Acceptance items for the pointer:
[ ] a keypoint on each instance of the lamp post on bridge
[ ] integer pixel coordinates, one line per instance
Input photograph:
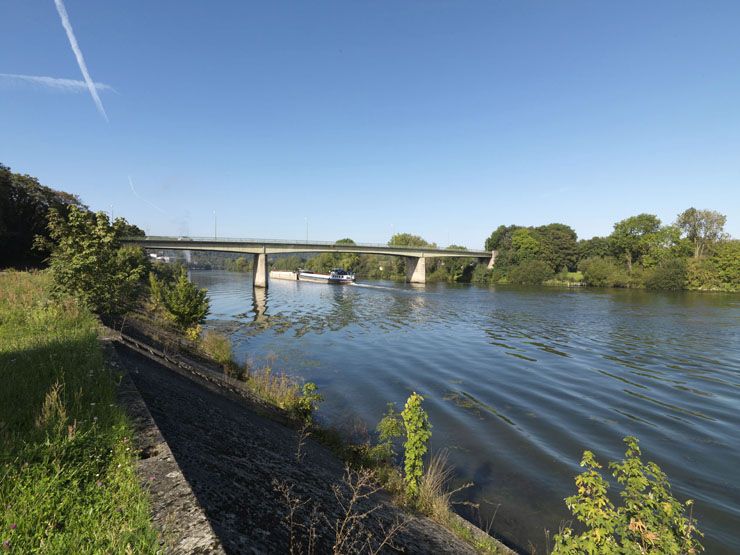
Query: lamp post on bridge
(215, 226)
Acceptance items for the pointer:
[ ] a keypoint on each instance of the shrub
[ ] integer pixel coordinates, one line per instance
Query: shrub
(418, 431)
(155, 291)
(726, 259)
(481, 275)
(650, 520)
(530, 272)
(88, 262)
(193, 332)
(603, 272)
(308, 402)
(701, 274)
(669, 275)
(187, 303)
(389, 429)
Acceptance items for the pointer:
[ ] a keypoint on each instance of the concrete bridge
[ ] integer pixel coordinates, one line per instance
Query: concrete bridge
(260, 248)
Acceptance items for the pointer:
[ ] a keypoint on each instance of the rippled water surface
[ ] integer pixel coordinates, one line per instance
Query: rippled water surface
(518, 382)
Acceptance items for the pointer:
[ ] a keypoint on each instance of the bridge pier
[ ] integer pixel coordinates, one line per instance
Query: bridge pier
(416, 269)
(259, 270)
(493, 260)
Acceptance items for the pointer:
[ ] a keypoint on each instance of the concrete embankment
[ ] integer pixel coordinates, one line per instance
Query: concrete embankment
(235, 459)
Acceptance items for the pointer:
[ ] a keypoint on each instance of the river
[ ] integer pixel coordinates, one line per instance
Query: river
(518, 382)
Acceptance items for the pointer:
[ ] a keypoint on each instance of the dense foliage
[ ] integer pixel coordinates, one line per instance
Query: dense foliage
(650, 519)
(88, 261)
(693, 253)
(186, 303)
(24, 210)
(25, 206)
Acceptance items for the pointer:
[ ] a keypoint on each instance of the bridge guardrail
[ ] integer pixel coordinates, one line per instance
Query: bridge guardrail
(161, 238)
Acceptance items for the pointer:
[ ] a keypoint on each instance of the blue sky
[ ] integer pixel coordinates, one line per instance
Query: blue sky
(441, 118)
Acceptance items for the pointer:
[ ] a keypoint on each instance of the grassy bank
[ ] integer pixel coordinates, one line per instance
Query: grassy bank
(67, 482)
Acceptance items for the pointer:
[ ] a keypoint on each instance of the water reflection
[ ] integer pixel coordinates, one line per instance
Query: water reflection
(519, 381)
(259, 306)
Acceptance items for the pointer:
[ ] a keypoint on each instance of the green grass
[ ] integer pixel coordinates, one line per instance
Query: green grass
(67, 481)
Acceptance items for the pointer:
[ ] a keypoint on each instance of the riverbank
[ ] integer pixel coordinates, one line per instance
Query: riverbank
(68, 466)
(285, 454)
(261, 483)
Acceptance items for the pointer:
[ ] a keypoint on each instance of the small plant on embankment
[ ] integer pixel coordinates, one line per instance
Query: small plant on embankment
(650, 520)
(418, 431)
(67, 481)
(389, 429)
(308, 402)
(186, 303)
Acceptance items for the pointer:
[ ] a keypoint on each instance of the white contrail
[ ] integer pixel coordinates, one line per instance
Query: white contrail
(137, 195)
(78, 54)
(64, 85)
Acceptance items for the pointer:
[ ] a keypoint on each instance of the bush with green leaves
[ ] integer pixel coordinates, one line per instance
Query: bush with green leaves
(389, 429)
(418, 431)
(650, 519)
(308, 402)
(186, 303)
(88, 261)
(668, 275)
(601, 271)
(530, 272)
(156, 295)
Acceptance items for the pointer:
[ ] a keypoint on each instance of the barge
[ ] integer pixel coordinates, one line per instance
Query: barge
(337, 276)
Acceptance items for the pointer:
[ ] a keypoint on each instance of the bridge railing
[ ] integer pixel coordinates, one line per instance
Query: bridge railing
(278, 242)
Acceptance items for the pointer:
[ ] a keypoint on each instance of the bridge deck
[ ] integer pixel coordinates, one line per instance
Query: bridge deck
(277, 246)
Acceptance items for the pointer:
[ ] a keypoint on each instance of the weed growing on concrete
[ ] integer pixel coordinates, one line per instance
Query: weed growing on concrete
(352, 530)
(418, 431)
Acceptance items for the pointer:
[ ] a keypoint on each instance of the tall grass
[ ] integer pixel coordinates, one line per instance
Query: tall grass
(276, 388)
(67, 481)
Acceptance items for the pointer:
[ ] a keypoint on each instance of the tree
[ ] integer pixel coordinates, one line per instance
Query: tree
(703, 228)
(24, 213)
(459, 269)
(558, 244)
(347, 260)
(409, 240)
(600, 271)
(596, 246)
(501, 237)
(406, 240)
(726, 260)
(88, 261)
(631, 236)
(187, 303)
(525, 244)
(326, 261)
(669, 275)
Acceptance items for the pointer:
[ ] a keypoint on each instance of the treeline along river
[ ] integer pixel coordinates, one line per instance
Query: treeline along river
(518, 382)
